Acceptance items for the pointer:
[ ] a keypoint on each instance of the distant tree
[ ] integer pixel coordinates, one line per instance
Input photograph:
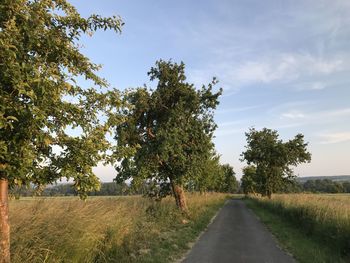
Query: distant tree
(40, 61)
(111, 189)
(249, 180)
(291, 186)
(228, 183)
(210, 175)
(272, 158)
(171, 126)
(309, 186)
(346, 187)
(325, 186)
(205, 174)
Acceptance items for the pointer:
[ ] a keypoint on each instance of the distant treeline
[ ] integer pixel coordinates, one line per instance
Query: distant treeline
(334, 178)
(231, 185)
(325, 186)
(112, 188)
(317, 186)
(106, 189)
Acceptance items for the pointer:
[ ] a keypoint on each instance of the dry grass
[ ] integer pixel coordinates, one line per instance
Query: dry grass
(325, 217)
(105, 229)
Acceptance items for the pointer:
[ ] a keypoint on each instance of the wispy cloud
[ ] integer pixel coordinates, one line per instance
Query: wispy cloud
(336, 137)
(237, 109)
(316, 116)
(313, 85)
(274, 68)
(293, 115)
(285, 67)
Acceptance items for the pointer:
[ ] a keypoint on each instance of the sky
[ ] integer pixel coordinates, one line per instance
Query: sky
(283, 65)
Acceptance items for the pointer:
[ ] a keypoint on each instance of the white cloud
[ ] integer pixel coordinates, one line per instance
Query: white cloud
(335, 137)
(311, 86)
(285, 68)
(336, 113)
(275, 68)
(316, 116)
(293, 115)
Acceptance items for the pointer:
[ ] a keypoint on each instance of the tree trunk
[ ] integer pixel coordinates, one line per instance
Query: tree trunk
(179, 195)
(269, 193)
(181, 198)
(4, 223)
(174, 193)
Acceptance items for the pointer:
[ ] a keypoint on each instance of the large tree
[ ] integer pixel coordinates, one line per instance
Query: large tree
(273, 158)
(40, 61)
(171, 126)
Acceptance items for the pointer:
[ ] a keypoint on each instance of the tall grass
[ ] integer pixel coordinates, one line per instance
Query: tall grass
(325, 217)
(114, 229)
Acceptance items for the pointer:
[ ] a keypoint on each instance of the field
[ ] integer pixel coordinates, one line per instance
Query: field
(106, 229)
(324, 219)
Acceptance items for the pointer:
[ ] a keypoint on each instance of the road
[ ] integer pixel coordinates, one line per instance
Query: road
(236, 235)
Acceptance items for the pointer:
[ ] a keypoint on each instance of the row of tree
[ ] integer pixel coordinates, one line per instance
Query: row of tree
(220, 178)
(161, 135)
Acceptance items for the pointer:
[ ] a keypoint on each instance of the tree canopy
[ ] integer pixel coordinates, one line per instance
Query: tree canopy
(171, 127)
(40, 61)
(228, 182)
(273, 158)
(40, 100)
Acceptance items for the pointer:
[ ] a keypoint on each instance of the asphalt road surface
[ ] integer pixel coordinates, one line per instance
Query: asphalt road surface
(236, 235)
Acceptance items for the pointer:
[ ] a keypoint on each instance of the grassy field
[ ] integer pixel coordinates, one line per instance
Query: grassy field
(109, 229)
(315, 228)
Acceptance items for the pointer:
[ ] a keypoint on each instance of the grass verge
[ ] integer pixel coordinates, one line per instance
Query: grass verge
(107, 229)
(295, 235)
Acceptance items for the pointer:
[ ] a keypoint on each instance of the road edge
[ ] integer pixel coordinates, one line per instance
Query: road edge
(191, 244)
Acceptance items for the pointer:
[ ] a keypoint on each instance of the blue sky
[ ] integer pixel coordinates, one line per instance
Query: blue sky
(283, 65)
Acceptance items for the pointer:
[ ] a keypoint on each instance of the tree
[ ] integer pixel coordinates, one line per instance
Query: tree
(40, 60)
(171, 126)
(273, 158)
(205, 174)
(346, 187)
(248, 181)
(210, 175)
(227, 183)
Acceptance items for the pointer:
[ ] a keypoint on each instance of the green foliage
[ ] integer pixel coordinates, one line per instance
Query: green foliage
(273, 158)
(229, 183)
(248, 181)
(171, 127)
(40, 61)
(205, 174)
(326, 186)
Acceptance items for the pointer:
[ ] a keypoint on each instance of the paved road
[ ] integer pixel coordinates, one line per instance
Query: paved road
(236, 235)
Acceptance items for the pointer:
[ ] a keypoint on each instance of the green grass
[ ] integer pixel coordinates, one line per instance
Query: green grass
(299, 223)
(106, 229)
